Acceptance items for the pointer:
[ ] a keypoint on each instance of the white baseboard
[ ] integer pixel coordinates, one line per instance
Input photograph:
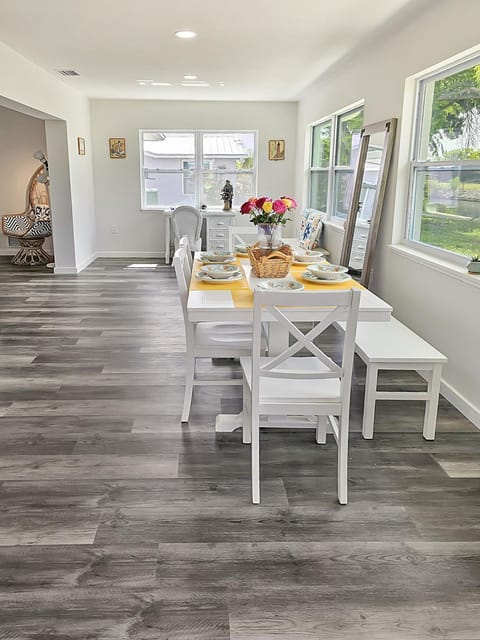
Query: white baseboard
(73, 271)
(130, 254)
(470, 411)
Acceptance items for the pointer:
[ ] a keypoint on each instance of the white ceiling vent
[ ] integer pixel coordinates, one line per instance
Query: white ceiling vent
(67, 72)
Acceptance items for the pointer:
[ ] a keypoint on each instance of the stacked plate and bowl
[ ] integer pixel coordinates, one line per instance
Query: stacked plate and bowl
(326, 273)
(217, 268)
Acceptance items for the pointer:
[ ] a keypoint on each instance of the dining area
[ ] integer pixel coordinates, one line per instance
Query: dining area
(291, 327)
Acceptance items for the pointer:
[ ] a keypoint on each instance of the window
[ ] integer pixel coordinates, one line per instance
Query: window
(444, 195)
(190, 167)
(334, 148)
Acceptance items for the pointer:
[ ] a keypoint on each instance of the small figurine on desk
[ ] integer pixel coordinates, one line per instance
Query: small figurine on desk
(227, 195)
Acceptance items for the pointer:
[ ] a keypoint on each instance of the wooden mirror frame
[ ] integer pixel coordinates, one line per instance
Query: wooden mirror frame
(389, 128)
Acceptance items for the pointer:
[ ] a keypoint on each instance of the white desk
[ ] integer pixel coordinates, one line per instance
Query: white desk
(218, 306)
(218, 223)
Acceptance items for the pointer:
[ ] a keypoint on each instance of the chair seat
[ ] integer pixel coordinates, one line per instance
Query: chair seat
(228, 335)
(292, 390)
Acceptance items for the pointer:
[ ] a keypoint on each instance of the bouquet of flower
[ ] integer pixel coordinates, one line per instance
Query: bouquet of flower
(267, 211)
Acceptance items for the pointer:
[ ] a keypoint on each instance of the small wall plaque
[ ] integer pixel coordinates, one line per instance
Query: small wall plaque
(117, 148)
(81, 146)
(276, 149)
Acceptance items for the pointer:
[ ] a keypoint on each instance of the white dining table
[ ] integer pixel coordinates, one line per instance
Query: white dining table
(214, 305)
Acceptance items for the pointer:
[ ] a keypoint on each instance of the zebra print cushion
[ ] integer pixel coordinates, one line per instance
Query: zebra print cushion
(42, 212)
(40, 229)
(15, 225)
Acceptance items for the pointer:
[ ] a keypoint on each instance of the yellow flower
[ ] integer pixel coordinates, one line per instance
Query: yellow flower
(267, 206)
(287, 202)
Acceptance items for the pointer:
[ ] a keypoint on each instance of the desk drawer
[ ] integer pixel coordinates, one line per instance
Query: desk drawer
(217, 245)
(218, 234)
(219, 222)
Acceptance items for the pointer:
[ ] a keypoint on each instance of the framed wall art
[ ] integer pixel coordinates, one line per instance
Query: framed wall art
(81, 146)
(276, 149)
(117, 148)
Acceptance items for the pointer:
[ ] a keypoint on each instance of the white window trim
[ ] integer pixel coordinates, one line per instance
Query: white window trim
(198, 133)
(332, 168)
(433, 257)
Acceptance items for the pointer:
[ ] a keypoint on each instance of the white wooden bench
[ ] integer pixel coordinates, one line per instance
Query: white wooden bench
(391, 345)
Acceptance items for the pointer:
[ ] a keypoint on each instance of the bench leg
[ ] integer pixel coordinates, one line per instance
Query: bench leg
(369, 402)
(321, 430)
(431, 407)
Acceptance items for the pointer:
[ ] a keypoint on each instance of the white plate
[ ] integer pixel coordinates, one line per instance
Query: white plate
(307, 256)
(280, 285)
(305, 263)
(203, 277)
(217, 258)
(309, 277)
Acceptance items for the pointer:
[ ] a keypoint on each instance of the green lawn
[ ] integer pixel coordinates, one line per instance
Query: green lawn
(454, 235)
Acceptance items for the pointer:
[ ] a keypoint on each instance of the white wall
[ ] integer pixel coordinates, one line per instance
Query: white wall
(20, 137)
(27, 88)
(117, 182)
(439, 307)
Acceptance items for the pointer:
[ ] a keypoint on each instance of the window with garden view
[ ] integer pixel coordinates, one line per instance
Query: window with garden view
(334, 149)
(190, 167)
(444, 210)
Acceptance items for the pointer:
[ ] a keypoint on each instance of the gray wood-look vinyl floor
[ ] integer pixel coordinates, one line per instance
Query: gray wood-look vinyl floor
(119, 523)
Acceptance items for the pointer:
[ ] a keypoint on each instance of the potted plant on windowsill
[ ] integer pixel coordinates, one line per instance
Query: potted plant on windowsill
(474, 265)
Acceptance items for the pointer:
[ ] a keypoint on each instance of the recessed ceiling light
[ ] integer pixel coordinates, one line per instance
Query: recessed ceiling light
(185, 34)
(195, 84)
(190, 77)
(161, 84)
(221, 84)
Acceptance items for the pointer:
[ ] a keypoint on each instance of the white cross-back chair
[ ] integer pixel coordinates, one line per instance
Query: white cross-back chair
(290, 384)
(207, 339)
(187, 221)
(188, 263)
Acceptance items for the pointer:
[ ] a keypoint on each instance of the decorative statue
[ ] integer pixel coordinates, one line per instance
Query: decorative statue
(227, 195)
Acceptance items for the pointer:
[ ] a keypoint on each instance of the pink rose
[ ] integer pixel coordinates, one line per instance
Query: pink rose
(279, 207)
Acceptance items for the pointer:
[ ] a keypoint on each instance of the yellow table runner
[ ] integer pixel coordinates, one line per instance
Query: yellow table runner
(242, 295)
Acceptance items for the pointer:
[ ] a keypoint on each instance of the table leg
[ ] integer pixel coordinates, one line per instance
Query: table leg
(167, 239)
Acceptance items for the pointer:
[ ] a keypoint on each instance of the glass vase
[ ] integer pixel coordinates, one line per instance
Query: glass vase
(269, 236)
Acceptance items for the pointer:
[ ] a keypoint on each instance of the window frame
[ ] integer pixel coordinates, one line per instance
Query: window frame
(443, 70)
(199, 169)
(333, 169)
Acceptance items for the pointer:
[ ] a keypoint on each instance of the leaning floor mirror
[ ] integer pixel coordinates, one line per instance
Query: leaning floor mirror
(362, 224)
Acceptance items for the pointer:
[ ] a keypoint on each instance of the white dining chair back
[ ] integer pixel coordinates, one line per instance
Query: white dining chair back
(302, 380)
(207, 339)
(187, 221)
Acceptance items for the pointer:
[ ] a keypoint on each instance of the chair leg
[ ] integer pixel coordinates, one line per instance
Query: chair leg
(431, 408)
(189, 377)
(342, 464)
(247, 415)
(369, 402)
(255, 457)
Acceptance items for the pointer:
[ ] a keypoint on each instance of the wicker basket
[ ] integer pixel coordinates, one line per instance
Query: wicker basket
(274, 264)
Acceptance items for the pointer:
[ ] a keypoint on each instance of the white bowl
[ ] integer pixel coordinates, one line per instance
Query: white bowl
(309, 256)
(327, 271)
(220, 271)
(217, 256)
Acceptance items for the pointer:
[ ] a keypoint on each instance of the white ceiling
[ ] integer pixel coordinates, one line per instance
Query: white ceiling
(260, 49)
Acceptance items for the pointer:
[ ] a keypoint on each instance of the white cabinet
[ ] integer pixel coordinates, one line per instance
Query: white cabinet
(217, 230)
(359, 245)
